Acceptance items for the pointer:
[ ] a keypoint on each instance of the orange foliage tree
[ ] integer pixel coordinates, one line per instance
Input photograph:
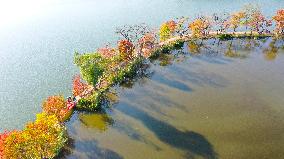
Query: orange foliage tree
(40, 139)
(200, 27)
(3, 137)
(279, 19)
(126, 49)
(54, 105)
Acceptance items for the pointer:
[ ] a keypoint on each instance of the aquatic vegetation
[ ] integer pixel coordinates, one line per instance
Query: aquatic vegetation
(40, 139)
(279, 19)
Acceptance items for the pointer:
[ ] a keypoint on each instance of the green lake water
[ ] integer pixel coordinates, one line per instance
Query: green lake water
(200, 105)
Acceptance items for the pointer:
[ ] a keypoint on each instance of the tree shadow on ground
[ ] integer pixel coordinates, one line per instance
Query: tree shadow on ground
(193, 143)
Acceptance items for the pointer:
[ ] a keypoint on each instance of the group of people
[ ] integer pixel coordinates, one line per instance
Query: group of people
(71, 103)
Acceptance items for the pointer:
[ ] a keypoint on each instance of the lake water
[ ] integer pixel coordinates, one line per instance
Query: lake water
(204, 106)
(197, 104)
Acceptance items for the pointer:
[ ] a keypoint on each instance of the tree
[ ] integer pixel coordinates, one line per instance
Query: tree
(235, 20)
(220, 20)
(55, 105)
(200, 27)
(126, 49)
(78, 86)
(107, 52)
(279, 19)
(165, 32)
(133, 33)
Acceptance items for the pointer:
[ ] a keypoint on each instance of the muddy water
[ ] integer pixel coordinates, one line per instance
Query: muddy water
(208, 101)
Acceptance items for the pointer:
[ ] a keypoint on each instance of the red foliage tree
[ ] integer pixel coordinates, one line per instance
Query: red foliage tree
(3, 136)
(107, 52)
(78, 86)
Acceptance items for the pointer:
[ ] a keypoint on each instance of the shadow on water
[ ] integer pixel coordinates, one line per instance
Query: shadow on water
(135, 135)
(191, 142)
(88, 149)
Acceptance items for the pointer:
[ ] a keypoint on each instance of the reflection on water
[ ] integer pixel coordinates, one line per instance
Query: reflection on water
(198, 105)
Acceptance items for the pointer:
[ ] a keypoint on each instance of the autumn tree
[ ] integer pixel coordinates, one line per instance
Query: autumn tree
(279, 19)
(200, 27)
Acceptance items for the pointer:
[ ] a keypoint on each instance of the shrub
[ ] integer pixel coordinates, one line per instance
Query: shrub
(55, 105)
(225, 36)
(126, 49)
(41, 139)
(279, 19)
